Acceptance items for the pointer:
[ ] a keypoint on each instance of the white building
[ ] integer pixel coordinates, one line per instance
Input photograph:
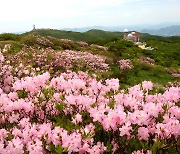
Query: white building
(131, 36)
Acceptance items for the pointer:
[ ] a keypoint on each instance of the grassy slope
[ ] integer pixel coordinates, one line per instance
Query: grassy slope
(166, 54)
(142, 71)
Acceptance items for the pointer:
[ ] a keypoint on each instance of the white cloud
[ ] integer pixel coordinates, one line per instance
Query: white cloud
(34, 9)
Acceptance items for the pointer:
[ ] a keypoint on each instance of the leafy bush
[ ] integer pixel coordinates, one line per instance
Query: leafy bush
(29, 40)
(9, 37)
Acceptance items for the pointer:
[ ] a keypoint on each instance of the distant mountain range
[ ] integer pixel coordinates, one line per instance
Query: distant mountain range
(160, 30)
(167, 31)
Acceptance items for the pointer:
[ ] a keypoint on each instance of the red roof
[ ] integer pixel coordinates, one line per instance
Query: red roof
(136, 35)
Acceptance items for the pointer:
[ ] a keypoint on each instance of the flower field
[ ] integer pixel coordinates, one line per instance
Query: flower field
(46, 107)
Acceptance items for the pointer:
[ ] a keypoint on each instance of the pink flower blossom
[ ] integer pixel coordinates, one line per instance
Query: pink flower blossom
(143, 133)
(77, 119)
(147, 85)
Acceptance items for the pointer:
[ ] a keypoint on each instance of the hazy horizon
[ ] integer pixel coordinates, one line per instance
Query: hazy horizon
(20, 15)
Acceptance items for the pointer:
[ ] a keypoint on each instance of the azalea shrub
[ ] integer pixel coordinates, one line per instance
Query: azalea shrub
(73, 112)
(125, 64)
(55, 62)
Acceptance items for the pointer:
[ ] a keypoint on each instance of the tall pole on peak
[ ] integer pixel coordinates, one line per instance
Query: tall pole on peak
(34, 28)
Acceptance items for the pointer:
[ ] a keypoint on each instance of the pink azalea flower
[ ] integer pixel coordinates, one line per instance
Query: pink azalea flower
(143, 133)
(147, 85)
(125, 130)
(77, 119)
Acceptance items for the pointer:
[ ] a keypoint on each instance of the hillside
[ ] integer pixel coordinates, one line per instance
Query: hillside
(95, 35)
(163, 61)
(77, 36)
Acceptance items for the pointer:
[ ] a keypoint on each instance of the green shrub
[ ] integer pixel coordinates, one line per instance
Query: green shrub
(29, 40)
(9, 37)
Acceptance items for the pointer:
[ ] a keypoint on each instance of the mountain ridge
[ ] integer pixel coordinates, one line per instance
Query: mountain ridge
(173, 30)
(94, 35)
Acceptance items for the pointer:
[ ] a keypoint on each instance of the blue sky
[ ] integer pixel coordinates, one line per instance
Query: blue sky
(21, 15)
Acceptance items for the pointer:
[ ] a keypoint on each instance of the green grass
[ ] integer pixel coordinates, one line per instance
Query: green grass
(167, 53)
